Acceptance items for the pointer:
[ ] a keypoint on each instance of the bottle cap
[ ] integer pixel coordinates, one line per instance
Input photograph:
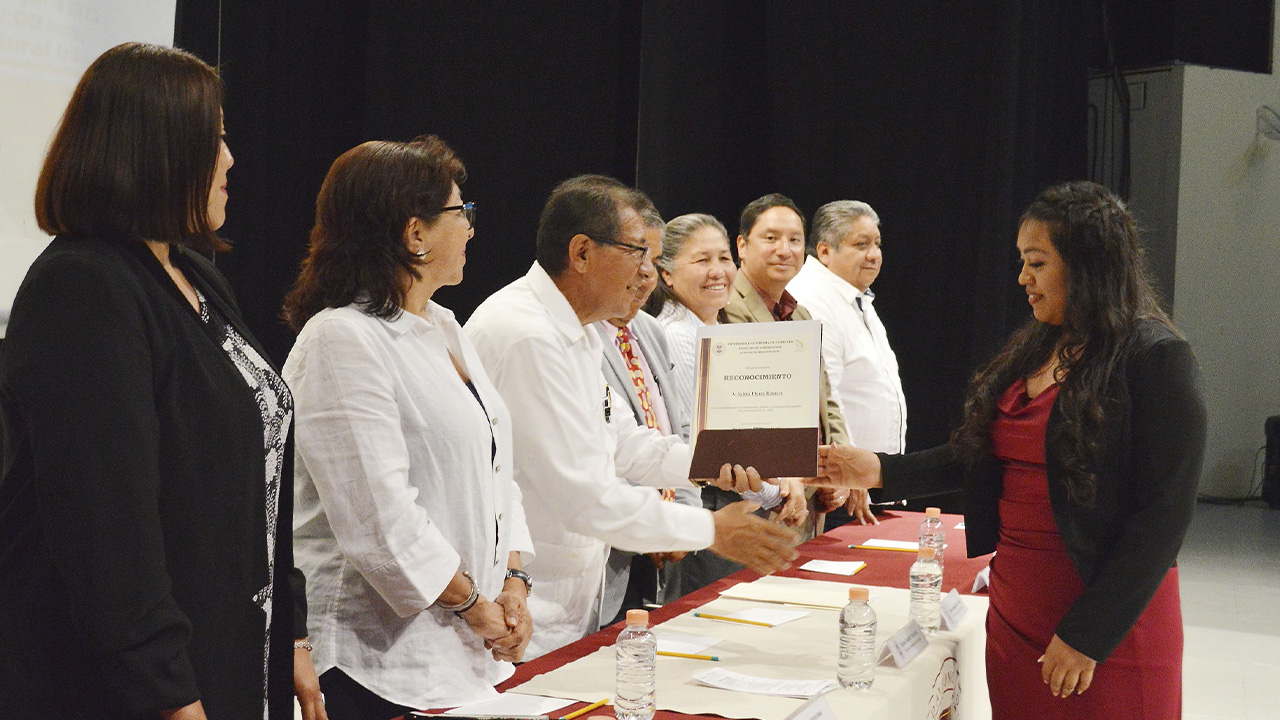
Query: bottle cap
(859, 593)
(926, 553)
(637, 617)
(932, 512)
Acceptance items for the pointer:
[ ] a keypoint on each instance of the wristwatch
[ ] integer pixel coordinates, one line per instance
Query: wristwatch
(523, 576)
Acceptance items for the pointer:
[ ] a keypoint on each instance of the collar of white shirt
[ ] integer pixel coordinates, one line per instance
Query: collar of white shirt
(822, 275)
(559, 310)
(436, 317)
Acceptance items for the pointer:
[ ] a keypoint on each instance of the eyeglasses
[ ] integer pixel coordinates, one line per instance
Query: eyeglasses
(468, 211)
(639, 252)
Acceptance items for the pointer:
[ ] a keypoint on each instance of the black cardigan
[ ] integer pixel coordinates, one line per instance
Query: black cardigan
(1124, 544)
(132, 520)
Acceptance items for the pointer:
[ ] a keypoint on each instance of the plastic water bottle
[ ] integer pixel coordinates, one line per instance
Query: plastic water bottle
(857, 665)
(926, 591)
(636, 655)
(931, 533)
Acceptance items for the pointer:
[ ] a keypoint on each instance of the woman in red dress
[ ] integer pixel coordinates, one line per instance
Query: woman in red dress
(1079, 455)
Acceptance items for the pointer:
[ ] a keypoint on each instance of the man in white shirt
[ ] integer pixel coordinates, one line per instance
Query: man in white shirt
(572, 448)
(844, 258)
(638, 369)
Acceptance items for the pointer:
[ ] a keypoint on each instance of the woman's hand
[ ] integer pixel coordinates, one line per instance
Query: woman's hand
(830, 498)
(519, 623)
(859, 507)
(795, 507)
(845, 466)
(306, 686)
(1066, 670)
(487, 619)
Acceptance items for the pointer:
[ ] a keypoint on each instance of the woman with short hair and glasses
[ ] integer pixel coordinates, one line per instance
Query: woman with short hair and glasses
(408, 522)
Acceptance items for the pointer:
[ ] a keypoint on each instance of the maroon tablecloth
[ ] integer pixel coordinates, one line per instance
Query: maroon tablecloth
(886, 568)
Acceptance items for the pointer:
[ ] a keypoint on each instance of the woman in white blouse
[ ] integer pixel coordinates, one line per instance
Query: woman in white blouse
(695, 273)
(407, 522)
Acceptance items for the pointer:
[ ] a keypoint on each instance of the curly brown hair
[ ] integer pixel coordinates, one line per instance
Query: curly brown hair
(1108, 295)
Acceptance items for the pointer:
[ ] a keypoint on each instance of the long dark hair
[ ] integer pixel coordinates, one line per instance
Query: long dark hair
(134, 156)
(1108, 294)
(357, 251)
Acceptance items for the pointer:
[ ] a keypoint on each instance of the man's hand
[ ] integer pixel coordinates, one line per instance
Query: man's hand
(744, 538)
(845, 466)
(859, 507)
(1066, 670)
(306, 686)
(738, 479)
(519, 624)
(795, 507)
(659, 559)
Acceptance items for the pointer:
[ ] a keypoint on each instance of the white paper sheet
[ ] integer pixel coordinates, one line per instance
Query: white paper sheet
(737, 682)
(792, 591)
(834, 567)
(890, 544)
(508, 704)
(772, 616)
(682, 643)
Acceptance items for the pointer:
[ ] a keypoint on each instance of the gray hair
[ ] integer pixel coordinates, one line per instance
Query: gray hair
(674, 237)
(678, 232)
(653, 219)
(831, 223)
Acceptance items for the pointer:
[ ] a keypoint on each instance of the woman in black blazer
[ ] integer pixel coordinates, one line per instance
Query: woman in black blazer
(145, 504)
(1080, 454)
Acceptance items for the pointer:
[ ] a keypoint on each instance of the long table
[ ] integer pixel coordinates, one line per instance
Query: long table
(885, 568)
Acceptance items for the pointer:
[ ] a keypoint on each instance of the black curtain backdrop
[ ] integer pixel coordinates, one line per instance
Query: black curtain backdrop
(946, 115)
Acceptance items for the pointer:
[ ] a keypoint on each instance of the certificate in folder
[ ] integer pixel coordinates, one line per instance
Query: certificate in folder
(756, 398)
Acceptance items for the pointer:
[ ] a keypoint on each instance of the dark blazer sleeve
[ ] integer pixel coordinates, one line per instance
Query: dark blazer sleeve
(1167, 440)
(82, 371)
(920, 474)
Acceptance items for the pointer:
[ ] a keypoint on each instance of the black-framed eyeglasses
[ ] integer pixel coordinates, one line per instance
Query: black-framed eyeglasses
(640, 252)
(468, 211)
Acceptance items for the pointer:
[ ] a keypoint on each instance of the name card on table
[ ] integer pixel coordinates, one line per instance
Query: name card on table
(816, 709)
(953, 610)
(904, 646)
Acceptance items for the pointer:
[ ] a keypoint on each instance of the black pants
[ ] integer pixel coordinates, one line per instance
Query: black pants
(346, 699)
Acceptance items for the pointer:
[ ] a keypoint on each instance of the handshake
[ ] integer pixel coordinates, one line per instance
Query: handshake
(764, 546)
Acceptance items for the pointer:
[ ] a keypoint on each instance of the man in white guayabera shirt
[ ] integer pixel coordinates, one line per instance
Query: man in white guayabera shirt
(572, 446)
(844, 258)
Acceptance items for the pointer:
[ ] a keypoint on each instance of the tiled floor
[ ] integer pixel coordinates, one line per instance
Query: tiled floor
(1230, 581)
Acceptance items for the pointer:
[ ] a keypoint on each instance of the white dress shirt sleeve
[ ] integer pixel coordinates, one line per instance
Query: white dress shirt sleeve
(564, 462)
(350, 435)
(646, 457)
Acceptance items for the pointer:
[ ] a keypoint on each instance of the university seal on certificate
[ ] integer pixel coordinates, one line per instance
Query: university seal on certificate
(756, 398)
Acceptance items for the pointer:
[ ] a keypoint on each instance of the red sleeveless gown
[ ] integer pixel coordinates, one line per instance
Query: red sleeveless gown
(1034, 583)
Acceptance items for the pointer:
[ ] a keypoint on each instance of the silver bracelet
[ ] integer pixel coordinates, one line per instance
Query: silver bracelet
(303, 645)
(465, 605)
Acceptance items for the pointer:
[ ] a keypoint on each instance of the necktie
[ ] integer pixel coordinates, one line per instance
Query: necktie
(626, 346)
